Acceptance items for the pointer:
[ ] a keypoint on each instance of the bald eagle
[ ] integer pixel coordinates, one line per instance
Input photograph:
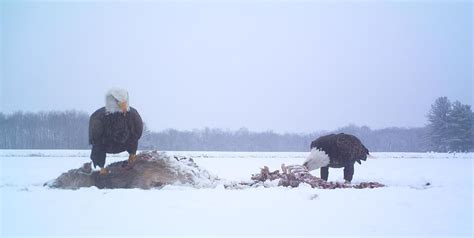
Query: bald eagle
(336, 151)
(114, 128)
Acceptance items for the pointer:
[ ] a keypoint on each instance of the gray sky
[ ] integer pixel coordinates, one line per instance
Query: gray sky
(287, 66)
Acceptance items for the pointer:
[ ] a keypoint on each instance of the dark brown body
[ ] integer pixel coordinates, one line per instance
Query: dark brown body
(113, 133)
(343, 151)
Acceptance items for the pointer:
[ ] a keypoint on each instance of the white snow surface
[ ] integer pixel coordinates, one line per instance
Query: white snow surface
(407, 207)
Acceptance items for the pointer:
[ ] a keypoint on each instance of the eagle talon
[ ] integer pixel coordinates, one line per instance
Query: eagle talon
(104, 171)
(130, 162)
(132, 159)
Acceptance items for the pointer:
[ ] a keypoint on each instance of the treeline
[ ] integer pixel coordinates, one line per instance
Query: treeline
(212, 139)
(390, 139)
(449, 129)
(44, 130)
(69, 130)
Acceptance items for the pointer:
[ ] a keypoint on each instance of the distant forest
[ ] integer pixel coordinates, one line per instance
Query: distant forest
(449, 128)
(69, 130)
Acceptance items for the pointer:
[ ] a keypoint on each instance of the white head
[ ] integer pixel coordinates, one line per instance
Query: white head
(316, 159)
(116, 100)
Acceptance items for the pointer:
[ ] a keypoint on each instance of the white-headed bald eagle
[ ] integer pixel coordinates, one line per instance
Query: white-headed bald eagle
(115, 128)
(336, 151)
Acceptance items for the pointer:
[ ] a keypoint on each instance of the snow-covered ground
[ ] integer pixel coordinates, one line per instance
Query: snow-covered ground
(406, 207)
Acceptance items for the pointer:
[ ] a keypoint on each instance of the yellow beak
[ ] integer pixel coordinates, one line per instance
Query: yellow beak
(123, 106)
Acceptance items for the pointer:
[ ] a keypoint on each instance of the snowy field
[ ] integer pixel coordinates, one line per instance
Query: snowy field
(407, 207)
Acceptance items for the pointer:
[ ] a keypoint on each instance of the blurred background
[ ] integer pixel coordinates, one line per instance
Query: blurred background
(241, 75)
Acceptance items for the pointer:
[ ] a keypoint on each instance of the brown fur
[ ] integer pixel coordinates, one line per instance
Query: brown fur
(150, 170)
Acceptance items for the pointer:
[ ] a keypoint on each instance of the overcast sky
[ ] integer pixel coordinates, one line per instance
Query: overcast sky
(287, 66)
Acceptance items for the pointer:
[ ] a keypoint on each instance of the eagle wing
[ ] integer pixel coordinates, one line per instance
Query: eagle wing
(351, 147)
(96, 127)
(325, 143)
(136, 124)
